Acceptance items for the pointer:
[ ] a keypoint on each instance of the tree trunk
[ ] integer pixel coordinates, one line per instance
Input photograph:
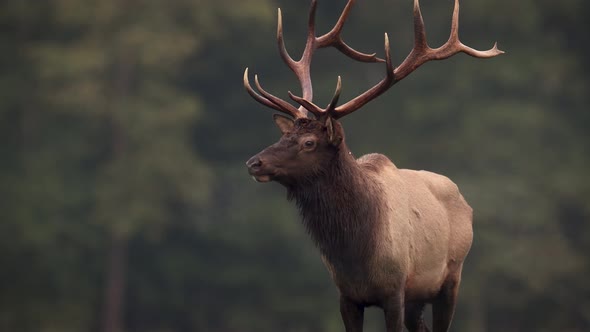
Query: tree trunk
(115, 284)
(117, 257)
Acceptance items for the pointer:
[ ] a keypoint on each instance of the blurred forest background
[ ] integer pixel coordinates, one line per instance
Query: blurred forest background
(126, 205)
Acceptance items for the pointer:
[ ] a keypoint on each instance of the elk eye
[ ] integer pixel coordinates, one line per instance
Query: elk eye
(309, 144)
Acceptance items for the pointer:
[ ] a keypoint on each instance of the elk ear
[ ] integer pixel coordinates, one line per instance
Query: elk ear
(284, 123)
(333, 131)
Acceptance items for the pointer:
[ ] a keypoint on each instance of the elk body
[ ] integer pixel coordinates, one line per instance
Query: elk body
(390, 237)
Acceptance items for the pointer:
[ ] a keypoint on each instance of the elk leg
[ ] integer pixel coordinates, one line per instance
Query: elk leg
(414, 318)
(443, 306)
(394, 313)
(352, 315)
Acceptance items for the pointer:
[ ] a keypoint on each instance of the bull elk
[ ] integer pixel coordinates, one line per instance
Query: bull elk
(392, 238)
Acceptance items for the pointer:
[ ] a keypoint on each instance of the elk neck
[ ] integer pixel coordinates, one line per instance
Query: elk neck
(340, 207)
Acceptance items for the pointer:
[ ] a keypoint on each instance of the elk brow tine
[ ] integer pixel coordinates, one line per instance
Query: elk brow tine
(308, 105)
(285, 106)
(258, 97)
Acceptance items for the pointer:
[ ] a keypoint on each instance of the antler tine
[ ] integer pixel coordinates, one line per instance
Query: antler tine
(334, 38)
(336, 96)
(281, 41)
(285, 106)
(301, 68)
(372, 93)
(268, 99)
(454, 38)
(315, 109)
(308, 105)
(255, 95)
(420, 42)
(420, 54)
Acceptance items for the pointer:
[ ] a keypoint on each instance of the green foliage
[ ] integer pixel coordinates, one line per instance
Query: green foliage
(127, 120)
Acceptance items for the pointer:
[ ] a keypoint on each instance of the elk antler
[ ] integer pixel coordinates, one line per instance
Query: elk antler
(301, 68)
(420, 54)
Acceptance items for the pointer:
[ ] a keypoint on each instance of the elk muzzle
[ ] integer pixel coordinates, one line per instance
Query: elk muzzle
(255, 169)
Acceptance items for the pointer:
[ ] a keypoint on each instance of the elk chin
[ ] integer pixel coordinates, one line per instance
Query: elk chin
(260, 175)
(261, 178)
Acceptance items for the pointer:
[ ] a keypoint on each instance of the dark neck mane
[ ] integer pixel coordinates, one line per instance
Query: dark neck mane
(339, 207)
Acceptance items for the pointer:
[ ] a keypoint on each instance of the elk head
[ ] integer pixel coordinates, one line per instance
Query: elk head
(312, 136)
(306, 148)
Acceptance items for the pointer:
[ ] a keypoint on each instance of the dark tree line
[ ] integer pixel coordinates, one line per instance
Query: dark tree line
(126, 205)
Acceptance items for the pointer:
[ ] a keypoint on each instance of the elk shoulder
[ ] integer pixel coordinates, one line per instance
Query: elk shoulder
(375, 162)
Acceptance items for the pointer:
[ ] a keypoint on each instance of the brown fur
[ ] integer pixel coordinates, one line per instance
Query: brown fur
(390, 237)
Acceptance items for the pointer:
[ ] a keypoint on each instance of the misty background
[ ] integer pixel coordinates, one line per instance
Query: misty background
(126, 205)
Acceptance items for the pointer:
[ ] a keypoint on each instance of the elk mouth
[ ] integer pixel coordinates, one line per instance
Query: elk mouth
(261, 178)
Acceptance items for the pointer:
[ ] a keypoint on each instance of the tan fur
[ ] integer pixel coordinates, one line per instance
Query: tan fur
(390, 237)
(424, 238)
(393, 238)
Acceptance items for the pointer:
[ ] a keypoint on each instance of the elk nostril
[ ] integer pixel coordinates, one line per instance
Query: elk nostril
(254, 162)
